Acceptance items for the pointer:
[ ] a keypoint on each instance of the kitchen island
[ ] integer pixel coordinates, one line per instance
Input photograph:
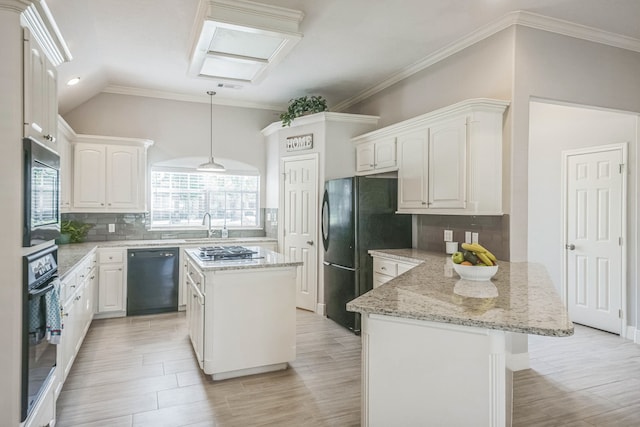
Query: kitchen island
(434, 346)
(241, 313)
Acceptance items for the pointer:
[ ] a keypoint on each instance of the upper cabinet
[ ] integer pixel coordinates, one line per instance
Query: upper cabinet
(375, 156)
(449, 161)
(66, 136)
(40, 93)
(109, 174)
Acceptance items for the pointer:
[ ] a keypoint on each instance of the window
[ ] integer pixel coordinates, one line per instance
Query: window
(180, 199)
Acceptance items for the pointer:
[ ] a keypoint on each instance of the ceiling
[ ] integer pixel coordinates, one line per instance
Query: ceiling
(348, 49)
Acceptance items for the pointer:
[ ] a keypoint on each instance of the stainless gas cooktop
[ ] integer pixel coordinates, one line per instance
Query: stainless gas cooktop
(216, 253)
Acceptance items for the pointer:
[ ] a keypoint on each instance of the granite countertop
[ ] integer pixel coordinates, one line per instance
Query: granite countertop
(519, 298)
(71, 254)
(267, 259)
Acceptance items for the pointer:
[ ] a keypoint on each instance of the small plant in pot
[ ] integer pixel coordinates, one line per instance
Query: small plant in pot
(301, 106)
(73, 232)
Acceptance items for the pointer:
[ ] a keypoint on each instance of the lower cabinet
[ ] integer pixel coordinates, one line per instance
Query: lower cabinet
(44, 414)
(111, 282)
(385, 269)
(195, 310)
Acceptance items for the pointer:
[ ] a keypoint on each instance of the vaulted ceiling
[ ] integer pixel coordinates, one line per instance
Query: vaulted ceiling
(349, 48)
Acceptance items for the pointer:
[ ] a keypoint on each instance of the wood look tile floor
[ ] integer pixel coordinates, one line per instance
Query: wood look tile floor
(140, 371)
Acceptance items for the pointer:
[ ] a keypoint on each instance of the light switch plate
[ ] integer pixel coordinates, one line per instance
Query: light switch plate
(448, 235)
(112, 228)
(474, 237)
(467, 237)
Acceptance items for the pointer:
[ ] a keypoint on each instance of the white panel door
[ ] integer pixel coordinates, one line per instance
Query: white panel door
(365, 157)
(89, 176)
(122, 177)
(594, 232)
(448, 165)
(385, 156)
(300, 221)
(412, 170)
(111, 288)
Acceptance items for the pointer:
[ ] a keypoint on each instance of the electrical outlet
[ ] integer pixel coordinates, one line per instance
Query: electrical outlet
(467, 237)
(112, 228)
(474, 237)
(448, 235)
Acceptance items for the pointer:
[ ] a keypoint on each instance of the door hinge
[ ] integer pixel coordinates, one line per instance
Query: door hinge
(620, 314)
(620, 167)
(619, 241)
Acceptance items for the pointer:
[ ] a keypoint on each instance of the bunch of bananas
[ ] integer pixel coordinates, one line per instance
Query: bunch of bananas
(474, 254)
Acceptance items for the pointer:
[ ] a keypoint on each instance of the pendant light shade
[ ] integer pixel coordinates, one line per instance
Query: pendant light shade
(211, 165)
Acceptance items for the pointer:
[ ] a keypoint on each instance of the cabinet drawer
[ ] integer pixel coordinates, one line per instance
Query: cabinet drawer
(110, 256)
(379, 279)
(195, 275)
(403, 267)
(383, 266)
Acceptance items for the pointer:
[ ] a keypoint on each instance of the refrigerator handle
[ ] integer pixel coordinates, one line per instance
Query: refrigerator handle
(324, 223)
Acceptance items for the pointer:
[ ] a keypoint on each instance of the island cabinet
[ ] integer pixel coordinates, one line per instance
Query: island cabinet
(109, 174)
(434, 347)
(241, 314)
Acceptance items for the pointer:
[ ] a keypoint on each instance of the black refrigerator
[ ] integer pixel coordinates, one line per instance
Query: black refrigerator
(358, 214)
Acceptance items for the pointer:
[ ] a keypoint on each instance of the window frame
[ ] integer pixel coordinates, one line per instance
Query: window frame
(196, 224)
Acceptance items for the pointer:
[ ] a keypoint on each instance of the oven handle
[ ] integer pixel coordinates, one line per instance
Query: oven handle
(34, 293)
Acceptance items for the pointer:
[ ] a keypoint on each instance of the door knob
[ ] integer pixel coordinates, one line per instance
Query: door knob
(310, 242)
(570, 246)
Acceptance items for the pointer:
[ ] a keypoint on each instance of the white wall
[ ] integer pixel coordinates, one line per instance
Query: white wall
(553, 129)
(179, 129)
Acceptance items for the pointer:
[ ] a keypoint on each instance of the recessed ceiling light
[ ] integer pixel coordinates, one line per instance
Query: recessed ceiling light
(74, 81)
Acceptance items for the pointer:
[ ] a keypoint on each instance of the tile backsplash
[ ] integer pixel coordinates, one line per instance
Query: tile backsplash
(493, 232)
(133, 226)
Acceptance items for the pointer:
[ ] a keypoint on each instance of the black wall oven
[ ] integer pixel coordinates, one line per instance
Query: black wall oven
(41, 194)
(41, 325)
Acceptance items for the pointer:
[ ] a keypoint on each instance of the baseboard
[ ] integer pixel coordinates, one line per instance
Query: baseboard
(633, 334)
(321, 309)
(517, 362)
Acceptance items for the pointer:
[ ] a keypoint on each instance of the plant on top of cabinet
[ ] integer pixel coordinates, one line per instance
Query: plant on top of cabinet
(301, 106)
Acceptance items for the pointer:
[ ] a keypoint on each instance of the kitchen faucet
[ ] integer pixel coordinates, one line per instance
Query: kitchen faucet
(210, 231)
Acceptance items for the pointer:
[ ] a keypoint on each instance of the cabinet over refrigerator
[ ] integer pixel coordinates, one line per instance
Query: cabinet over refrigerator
(358, 214)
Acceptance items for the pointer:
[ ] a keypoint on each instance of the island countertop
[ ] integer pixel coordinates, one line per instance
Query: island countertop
(264, 259)
(519, 298)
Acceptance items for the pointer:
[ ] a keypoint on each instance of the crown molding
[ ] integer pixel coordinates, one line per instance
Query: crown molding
(17, 6)
(322, 117)
(38, 19)
(526, 19)
(100, 139)
(173, 96)
(467, 106)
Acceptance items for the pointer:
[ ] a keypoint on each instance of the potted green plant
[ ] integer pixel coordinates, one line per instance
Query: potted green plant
(301, 106)
(73, 232)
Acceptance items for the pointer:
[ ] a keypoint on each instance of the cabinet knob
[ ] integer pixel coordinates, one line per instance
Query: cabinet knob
(93, 277)
(424, 203)
(119, 269)
(383, 268)
(73, 286)
(109, 204)
(101, 204)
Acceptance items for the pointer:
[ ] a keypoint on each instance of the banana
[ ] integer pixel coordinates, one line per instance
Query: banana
(491, 256)
(484, 258)
(474, 247)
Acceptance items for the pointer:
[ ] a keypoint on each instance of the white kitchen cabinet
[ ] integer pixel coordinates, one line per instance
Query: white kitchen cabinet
(195, 310)
(109, 174)
(413, 155)
(65, 137)
(111, 283)
(77, 297)
(450, 160)
(432, 167)
(385, 269)
(375, 156)
(40, 93)
(44, 413)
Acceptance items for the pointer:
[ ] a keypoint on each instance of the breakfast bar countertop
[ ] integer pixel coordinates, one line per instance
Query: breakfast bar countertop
(519, 298)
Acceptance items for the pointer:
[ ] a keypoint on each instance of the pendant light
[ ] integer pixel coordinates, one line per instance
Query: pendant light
(211, 165)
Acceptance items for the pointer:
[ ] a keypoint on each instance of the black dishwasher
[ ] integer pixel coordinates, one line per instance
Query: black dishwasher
(152, 281)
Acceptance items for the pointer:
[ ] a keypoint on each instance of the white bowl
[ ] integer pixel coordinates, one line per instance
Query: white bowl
(477, 273)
